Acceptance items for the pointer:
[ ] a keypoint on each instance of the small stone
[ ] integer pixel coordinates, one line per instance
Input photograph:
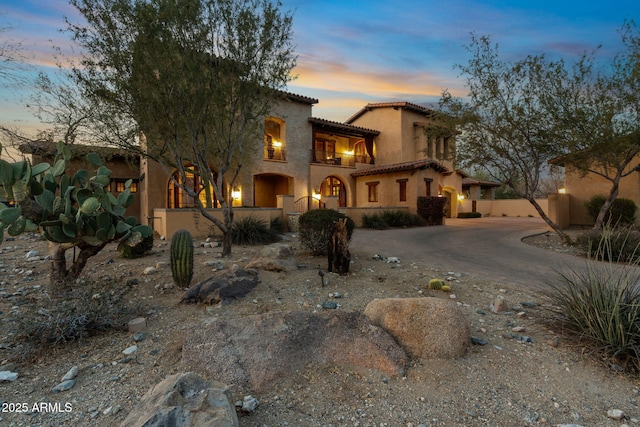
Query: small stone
(499, 305)
(32, 254)
(518, 329)
(452, 296)
(529, 304)
(478, 341)
(8, 376)
(249, 404)
(71, 374)
(160, 265)
(150, 270)
(130, 350)
(139, 336)
(63, 386)
(480, 312)
(615, 414)
(330, 305)
(137, 325)
(393, 260)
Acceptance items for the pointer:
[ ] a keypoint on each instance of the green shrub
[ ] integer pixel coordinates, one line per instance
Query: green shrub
(599, 306)
(316, 227)
(138, 250)
(252, 231)
(436, 284)
(400, 218)
(615, 244)
(469, 214)
(622, 211)
(374, 221)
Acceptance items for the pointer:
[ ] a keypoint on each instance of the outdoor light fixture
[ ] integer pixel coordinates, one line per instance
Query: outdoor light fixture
(277, 144)
(562, 191)
(460, 197)
(236, 194)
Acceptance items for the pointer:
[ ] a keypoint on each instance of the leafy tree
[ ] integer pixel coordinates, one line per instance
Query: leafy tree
(504, 127)
(597, 107)
(195, 77)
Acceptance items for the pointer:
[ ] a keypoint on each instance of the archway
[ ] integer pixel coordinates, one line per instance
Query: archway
(334, 186)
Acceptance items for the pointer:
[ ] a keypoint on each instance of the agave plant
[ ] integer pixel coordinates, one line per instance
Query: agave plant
(70, 211)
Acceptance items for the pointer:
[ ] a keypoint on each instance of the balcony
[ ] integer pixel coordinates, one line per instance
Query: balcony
(275, 151)
(339, 159)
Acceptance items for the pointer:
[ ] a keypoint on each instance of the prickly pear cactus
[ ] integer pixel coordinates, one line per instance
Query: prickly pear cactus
(436, 284)
(182, 258)
(71, 210)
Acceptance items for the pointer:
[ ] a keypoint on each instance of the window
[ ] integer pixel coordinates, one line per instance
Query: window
(373, 191)
(427, 183)
(178, 198)
(325, 151)
(274, 146)
(118, 185)
(402, 190)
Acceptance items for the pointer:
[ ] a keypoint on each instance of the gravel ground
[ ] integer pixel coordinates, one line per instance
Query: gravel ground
(509, 381)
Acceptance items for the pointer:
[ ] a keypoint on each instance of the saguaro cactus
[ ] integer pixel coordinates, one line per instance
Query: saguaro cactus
(182, 258)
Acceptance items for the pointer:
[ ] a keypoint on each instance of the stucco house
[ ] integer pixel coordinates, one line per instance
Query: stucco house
(384, 156)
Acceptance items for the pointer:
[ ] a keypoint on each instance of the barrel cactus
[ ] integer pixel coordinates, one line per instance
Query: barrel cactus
(182, 258)
(436, 284)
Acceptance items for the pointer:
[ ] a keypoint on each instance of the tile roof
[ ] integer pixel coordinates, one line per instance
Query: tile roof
(342, 127)
(404, 105)
(299, 98)
(401, 167)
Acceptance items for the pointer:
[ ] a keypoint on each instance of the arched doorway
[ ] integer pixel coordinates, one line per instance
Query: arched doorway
(334, 186)
(266, 188)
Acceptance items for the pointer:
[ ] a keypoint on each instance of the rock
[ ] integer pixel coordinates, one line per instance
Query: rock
(251, 352)
(249, 404)
(615, 414)
(73, 372)
(478, 341)
(529, 304)
(393, 260)
(32, 254)
(222, 286)
(130, 350)
(63, 386)
(424, 327)
(518, 329)
(138, 324)
(150, 270)
(275, 257)
(8, 376)
(184, 400)
(499, 305)
(330, 305)
(140, 336)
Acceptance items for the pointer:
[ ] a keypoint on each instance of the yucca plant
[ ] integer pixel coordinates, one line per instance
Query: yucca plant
(252, 231)
(599, 305)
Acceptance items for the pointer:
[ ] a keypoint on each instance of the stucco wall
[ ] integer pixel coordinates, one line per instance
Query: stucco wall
(582, 188)
(168, 221)
(506, 207)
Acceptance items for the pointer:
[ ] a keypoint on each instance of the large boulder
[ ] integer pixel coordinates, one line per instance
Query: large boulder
(275, 257)
(426, 328)
(184, 400)
(252, 351)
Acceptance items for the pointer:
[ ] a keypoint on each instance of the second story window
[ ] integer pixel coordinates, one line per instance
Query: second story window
(274, 145)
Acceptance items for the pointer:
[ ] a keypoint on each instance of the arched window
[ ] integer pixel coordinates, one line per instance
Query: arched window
(332, 186)
(178, 198)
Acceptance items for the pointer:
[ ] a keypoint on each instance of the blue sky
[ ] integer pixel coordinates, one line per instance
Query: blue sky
(354, 52)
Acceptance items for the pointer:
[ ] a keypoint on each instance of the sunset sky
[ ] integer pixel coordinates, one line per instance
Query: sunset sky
(351, 52)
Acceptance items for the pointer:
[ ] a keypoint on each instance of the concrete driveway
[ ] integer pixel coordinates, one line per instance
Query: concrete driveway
(489, 248)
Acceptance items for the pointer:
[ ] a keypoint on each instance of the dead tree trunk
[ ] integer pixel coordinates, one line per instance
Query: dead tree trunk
(339, 257)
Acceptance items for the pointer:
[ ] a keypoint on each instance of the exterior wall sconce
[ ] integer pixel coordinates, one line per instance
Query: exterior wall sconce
(562, 191)
(461, 197)
(236, 194)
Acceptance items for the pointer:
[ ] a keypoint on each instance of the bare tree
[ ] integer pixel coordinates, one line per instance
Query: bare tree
(503, 126)
(195, 77)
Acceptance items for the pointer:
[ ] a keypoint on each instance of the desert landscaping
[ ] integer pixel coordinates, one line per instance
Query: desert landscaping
(513, 370)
